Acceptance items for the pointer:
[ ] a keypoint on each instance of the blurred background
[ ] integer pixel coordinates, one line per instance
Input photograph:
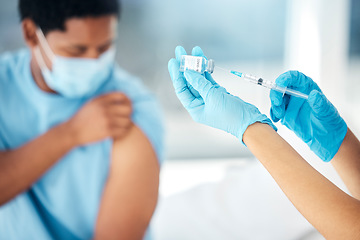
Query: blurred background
(262, 37)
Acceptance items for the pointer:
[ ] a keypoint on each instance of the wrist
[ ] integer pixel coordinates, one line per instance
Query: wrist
(68, 135)
(255, 131)
(262, 120)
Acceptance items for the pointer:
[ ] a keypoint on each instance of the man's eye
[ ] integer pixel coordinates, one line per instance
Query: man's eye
(76, 52)
(104, 49)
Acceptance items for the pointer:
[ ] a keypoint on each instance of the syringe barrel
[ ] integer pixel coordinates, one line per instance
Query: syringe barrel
(291, 92)
(270, 84)
(251, 78)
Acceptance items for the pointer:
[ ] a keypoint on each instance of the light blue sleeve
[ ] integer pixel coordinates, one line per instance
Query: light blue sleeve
(147, 114)
(3, 78)
(148, 117)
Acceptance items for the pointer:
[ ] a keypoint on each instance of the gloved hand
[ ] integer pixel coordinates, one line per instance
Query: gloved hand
(210, 104)
(316, 121)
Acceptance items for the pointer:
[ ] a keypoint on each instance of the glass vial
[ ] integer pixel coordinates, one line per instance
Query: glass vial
(198, 64)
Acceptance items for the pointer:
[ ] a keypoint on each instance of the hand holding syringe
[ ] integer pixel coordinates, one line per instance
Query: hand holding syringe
(270, 85)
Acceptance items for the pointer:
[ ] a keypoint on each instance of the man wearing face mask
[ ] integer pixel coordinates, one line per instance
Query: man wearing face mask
(80, 139)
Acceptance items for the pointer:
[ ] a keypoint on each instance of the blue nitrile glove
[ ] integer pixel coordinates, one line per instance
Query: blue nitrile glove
(316, 121)
(209, 103)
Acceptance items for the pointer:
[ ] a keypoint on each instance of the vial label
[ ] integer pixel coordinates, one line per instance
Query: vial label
(193, 63)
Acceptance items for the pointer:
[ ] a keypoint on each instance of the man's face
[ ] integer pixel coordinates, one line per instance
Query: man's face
(83, 38)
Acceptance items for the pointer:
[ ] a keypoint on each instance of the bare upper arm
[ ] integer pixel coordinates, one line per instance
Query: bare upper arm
(3, 154)
(131, 192)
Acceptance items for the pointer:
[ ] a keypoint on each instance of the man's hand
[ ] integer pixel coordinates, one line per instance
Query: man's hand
(106, 116)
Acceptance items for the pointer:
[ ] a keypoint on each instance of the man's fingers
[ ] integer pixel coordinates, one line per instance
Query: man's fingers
(113, 97)
(119, 122)
(119, 110)
(120, 132)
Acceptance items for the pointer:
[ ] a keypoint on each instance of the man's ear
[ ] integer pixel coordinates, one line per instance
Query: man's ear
(29, 32)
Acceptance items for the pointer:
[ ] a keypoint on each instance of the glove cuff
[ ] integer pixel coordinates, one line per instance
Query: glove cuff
(262, 118)
(333, 144)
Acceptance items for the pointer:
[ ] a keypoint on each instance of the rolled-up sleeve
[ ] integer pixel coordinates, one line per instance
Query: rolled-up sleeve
(147, 114)
(148, 117)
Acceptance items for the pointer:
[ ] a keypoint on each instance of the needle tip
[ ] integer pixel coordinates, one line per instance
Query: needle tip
(237, 73)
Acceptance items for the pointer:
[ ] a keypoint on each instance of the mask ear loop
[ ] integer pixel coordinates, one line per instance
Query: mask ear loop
(45, 45)
(39, 58)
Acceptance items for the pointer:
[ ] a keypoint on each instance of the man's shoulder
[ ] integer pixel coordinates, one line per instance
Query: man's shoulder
(11, 63)
(8, 59)
(125, 78)
(147, 113)
(123, 81)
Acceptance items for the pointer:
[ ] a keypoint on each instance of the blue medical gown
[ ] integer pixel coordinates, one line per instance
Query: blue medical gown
(64, 203)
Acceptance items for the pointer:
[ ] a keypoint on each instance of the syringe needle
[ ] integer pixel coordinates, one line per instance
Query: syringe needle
(239, 74)
(270, 85)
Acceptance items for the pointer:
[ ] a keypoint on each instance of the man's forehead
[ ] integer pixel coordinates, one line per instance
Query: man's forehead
(94, 29)
(91, 24)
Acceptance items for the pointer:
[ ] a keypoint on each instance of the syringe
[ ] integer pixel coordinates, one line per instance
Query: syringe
(270, 85)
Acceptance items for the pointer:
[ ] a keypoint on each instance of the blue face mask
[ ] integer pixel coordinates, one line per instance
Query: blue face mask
(74, 77)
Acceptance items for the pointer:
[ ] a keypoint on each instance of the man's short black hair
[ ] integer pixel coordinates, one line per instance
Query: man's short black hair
(51, 15)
